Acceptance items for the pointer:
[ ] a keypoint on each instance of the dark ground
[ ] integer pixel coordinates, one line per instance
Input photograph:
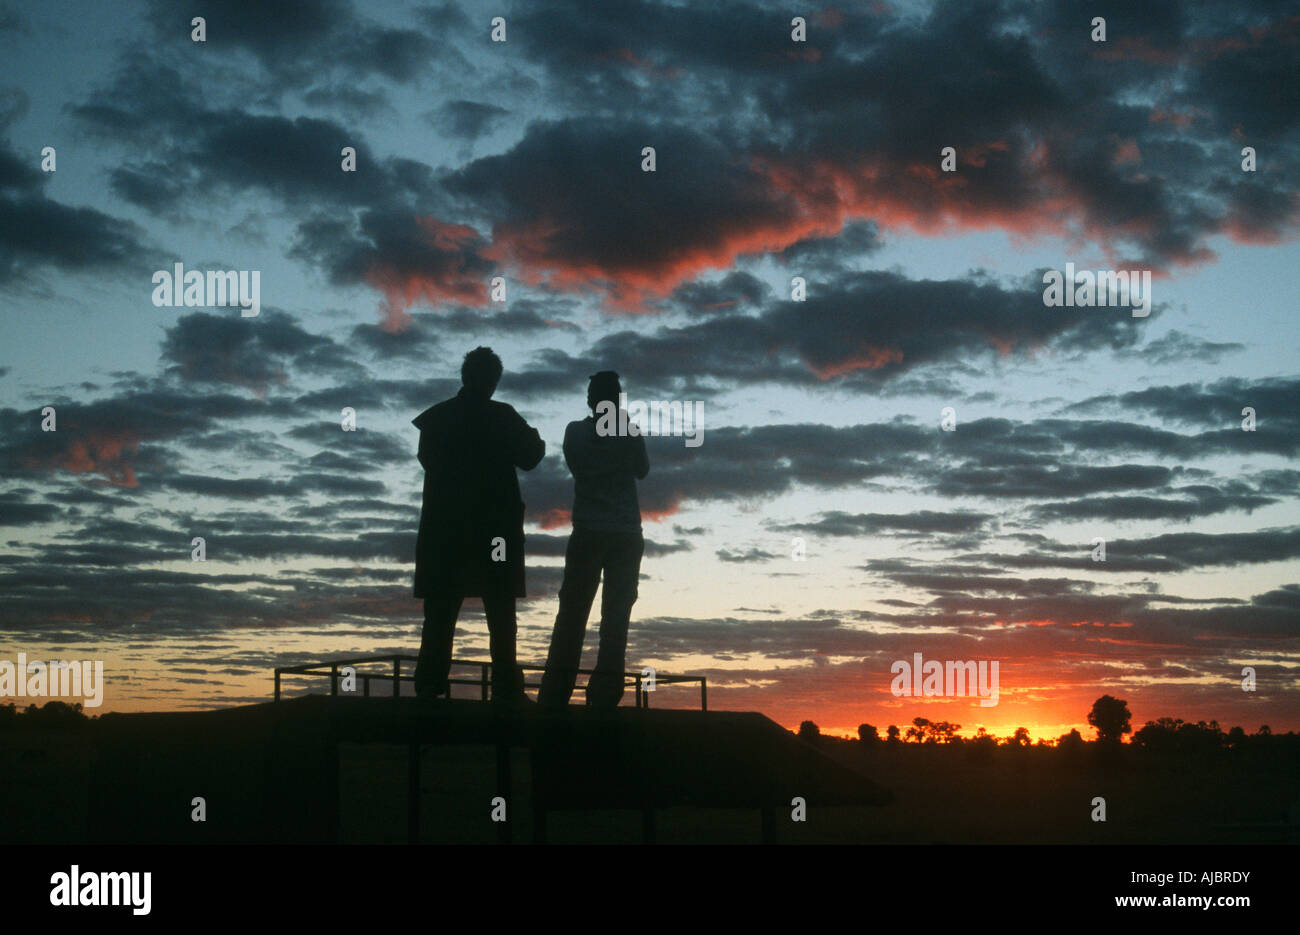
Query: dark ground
(942, 794)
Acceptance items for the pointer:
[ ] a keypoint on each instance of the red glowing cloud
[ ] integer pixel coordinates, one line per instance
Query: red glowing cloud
(559, 517)
(653, 515)
(537, 250)
(866, 358)
(99, 452)
(556, 518)
(633, 240)
(442, 265)
(785, 201)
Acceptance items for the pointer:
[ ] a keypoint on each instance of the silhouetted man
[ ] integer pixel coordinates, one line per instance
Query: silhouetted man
(606, 538)
(471, 540)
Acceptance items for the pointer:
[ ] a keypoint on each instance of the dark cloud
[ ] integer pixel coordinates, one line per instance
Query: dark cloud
(114, 436)
(41, 232)
(748, 555)
(920, 522)
(654, 549)
(855, 240)
(375, 394)
(1215, 405)
(1176, 347)
(734, 292)
(466, 120)
(152, 187)
(1044, 121)
(407, 258)
(377, 448)
(1196, 501)
(36, 231)
(861, 329)
(299, 43)
(524, 316)
(419, 340)
(553, 546)
(188, 152)
(367, 505)
(304, 167)
(842, 142)
(570, 203)
(253, 352)
(1164, 553)
(17, 509)
(1252, 48)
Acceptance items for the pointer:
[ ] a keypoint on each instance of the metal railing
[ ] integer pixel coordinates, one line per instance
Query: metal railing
(483, 681)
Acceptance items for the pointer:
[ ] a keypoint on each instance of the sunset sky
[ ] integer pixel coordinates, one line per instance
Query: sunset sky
(775, 159)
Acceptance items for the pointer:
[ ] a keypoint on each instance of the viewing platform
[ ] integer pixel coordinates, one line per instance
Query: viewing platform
(270, 773)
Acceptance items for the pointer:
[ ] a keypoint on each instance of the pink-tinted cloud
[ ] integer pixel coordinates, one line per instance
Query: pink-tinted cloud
(108, 453)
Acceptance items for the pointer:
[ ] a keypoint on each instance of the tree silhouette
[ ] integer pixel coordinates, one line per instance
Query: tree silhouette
(809, 731)
(1021, 737)
(928, 731)
(891, 733)
(1071, 746)
(1073, 741)
(1169, 734)
(942, 731)
(982, 745)
(868, 734)
(1111, 718)
(55, 714)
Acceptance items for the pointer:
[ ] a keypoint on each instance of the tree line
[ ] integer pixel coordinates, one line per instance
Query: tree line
(1109, 717)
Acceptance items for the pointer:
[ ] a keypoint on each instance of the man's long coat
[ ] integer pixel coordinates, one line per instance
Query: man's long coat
(469, 448)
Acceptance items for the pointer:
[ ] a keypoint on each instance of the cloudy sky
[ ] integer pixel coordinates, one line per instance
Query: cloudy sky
(774, 159)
